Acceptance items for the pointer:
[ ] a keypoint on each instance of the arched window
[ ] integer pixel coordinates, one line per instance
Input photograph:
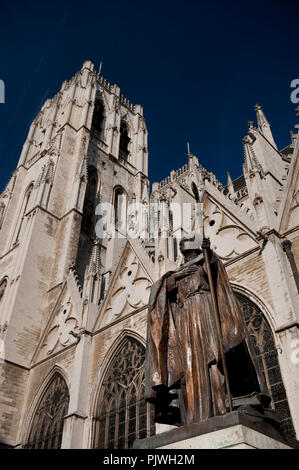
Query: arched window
(88, 222)
(47, 425)
(2, 211)
(120, 209)
(263, 342)
(98, 117)
(195, 191)
(124, 141)
(122, 412)
(3, 285)
(24, 210)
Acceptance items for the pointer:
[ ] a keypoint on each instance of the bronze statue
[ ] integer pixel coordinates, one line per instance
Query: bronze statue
(193, 372)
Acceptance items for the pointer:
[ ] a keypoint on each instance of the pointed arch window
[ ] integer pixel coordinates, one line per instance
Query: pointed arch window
(122, 413)
(47, 424)
(90, 201)
(124, 141)
(2, 211)
(47, 178)
(195, 191)
(264, 345)
(120, 209)
(3, 285)
(24, 211)
(98, 117)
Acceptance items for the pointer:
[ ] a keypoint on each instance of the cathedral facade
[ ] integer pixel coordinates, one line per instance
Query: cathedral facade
(73, 302)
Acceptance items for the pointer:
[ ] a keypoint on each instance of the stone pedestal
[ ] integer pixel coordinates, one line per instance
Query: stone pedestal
(234, 430)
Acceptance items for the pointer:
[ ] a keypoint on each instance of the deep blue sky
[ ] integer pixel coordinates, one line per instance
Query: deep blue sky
(197, 67)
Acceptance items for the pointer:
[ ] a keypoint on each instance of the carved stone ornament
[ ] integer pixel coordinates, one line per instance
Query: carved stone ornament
(227, 238)
(131, 290)
(64, 326)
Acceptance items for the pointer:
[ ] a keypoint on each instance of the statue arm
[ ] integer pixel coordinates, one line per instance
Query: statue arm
(206, 245)
(171, 288)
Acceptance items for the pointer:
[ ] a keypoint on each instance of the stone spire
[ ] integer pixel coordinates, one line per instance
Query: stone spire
(230, 185)
(263, 125)
(250, 160)
(92, 279)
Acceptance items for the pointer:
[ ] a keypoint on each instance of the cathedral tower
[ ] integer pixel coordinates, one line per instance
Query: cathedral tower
(87, 145)
(75, 278)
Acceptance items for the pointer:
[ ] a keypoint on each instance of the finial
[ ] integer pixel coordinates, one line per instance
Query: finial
(188, 148)
(229, 179)
(100, 67)
(94, 262)
(230, 184)
(263, 125)
(297, 111)
(250, 124)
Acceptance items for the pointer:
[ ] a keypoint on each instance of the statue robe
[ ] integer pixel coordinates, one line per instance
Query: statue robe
(183, 352)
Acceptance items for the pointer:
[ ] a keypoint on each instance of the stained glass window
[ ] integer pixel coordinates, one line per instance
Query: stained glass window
(264, 345)
(47, 425)
(123, 414)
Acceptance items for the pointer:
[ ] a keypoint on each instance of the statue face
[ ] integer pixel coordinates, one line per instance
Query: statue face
(191, 242)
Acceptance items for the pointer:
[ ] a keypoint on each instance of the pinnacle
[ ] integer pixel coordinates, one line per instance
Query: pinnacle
(261, 118)
(264, 125)
(95, 264)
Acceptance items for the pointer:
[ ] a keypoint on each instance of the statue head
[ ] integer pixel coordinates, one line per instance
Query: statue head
(190, 245)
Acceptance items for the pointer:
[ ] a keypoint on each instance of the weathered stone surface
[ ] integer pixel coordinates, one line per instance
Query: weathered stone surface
(234, 430)
(41, 238)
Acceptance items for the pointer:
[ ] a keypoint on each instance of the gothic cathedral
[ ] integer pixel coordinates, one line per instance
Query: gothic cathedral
(73, 305)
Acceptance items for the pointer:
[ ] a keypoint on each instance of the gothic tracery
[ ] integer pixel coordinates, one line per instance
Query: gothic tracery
(123, 414)
(47, 424)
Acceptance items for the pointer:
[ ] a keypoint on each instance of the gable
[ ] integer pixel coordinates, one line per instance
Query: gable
(64, 323)
(129, 288)
(229, 238)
